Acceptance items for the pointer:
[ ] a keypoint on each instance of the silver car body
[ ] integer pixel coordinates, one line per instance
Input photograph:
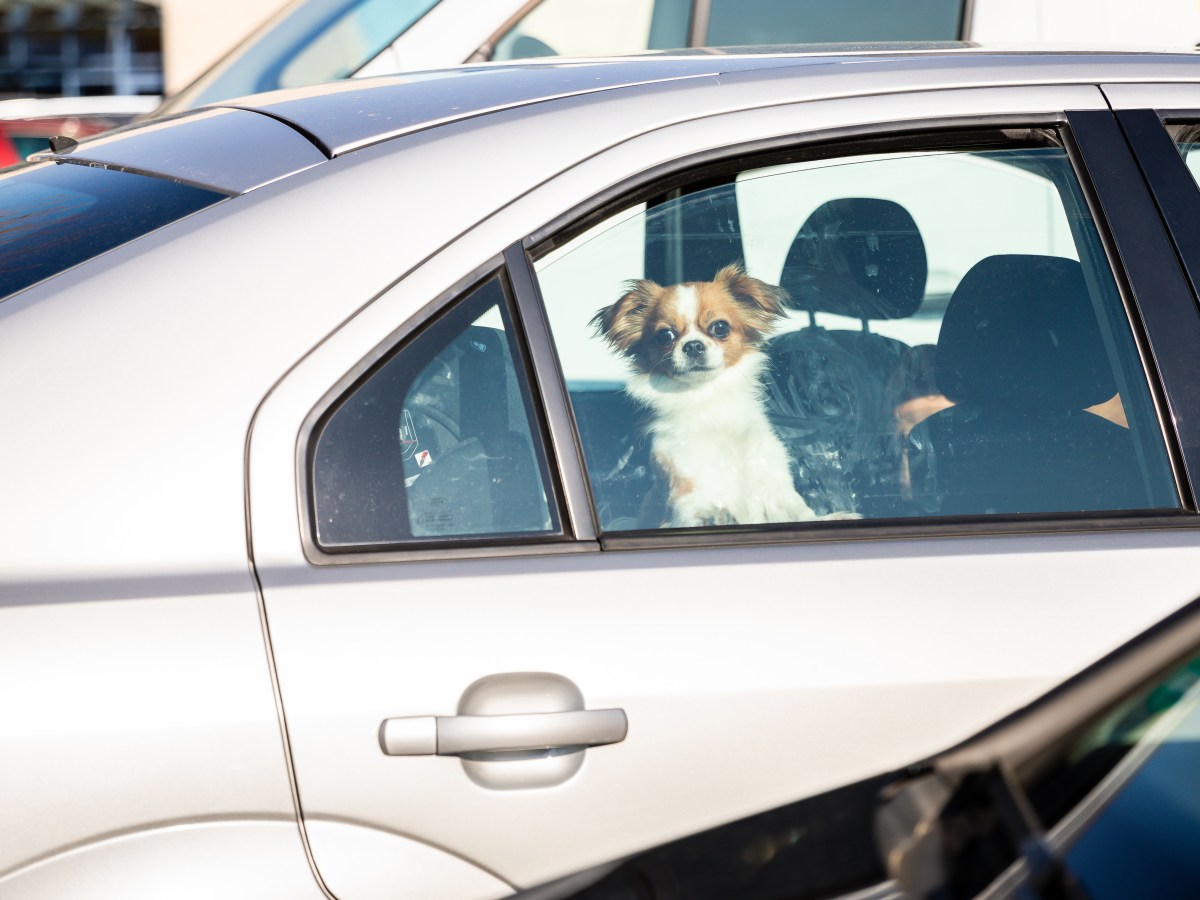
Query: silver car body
(193, 698)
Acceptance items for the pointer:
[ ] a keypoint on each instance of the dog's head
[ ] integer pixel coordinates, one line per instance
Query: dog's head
(690, 332)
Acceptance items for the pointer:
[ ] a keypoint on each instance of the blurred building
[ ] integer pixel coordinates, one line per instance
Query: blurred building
(79, 48)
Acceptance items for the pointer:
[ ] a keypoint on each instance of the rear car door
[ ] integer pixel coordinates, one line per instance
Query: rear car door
(497, 666)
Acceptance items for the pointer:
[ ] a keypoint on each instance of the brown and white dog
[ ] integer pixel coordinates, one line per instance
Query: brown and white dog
(696, 354)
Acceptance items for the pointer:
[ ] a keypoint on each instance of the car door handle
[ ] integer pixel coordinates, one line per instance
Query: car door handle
(459, 735)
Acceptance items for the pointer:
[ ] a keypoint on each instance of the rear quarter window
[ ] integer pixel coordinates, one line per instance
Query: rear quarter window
(54, 216)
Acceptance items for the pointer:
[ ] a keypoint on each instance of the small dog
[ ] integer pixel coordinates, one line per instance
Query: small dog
(695, 351)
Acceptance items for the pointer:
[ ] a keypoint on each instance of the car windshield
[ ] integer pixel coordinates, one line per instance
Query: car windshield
(311, 42)
(55, 216)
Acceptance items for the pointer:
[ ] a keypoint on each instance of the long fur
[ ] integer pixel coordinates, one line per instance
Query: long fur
(709, 432)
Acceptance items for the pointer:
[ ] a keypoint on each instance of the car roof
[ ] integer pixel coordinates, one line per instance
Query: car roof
(283, 132)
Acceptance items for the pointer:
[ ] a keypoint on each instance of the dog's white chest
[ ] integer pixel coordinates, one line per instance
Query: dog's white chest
(723, 462)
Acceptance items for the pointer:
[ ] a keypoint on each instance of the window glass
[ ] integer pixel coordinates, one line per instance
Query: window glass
(880, 335)
(312, 41)
(1187, 138)
(55, 216)
(595, 28)
(1137, 834)
(1143, 843)
(438, 442)
(751, 22)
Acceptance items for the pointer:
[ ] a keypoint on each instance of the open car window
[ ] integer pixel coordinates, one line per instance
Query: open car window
(927, 332)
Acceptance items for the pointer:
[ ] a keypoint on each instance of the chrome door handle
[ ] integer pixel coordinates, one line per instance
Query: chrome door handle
(458, 735)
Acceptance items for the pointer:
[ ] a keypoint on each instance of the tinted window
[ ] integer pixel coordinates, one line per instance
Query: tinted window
(54, 216)
(749, 22)
(438, 442)
(1187, 138)
(1136, 836)
(877, 335)
(1144, 843)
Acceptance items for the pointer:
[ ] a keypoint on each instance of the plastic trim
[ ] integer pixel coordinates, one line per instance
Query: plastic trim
(1162, 298)
(549, 381)
(1137, 326)
(1177, 197)
(916, 528)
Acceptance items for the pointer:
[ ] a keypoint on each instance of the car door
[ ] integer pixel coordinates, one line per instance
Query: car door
(502, 669)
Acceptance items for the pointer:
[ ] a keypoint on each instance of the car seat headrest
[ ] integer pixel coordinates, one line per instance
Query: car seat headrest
(859, 257)
(1021, 331)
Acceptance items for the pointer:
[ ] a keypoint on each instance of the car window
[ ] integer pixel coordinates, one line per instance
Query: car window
(438, 442)
(309, 42)
(1135, 833)
(753, 22)
(596, 28)
(927, 332)
(1187, 138)
(55, 216)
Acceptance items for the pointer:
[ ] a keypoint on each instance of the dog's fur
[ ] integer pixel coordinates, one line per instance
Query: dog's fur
(695, 350)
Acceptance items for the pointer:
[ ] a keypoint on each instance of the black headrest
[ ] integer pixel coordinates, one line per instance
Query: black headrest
(859, 257)
(1021, 330)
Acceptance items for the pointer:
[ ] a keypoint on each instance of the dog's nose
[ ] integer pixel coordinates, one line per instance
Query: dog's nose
(693, 348)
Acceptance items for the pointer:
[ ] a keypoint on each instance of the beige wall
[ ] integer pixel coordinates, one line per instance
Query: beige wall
(197, 32)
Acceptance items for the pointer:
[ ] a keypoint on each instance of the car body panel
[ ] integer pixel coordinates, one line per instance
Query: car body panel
(1165, 96)
(370, 862)
(145, 693)
(250, 859)
(150, 710)
(268, 150)
(162, 392)
(449, 95)
(419, 101)
(729, 714)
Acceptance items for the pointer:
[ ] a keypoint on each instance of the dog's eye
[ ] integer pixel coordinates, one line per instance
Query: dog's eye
(719, 329)
(665, 337)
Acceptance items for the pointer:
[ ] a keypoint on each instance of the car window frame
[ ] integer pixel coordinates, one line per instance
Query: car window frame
(1127, 177)
(471, 546)
(559, 432)
(731, 158)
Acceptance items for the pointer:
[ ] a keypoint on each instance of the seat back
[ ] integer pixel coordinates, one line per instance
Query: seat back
(1021, 354)
(831, 393)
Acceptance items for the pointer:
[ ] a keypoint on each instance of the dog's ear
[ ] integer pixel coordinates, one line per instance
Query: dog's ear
(767, 300)
(621, 324)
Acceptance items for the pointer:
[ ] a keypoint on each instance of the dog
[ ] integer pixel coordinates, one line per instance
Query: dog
(696, 355)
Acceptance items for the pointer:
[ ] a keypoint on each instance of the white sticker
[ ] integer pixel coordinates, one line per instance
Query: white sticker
(408, 435)
(423, 458)
(408, 482)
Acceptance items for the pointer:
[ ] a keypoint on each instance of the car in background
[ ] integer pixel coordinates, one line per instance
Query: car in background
(337, 563)
(26, 125)
(313, 41)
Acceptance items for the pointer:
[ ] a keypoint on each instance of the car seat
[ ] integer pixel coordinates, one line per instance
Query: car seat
(1021, 355)
(830, 392)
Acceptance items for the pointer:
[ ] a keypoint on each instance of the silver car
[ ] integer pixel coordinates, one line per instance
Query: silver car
(346, 551)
